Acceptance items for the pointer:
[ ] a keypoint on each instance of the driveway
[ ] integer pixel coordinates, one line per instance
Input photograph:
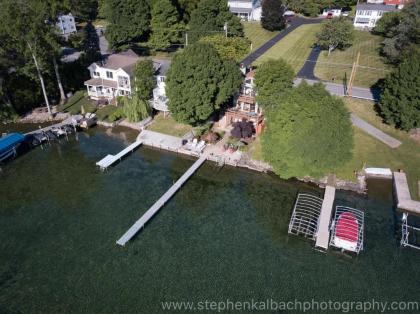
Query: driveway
(295, 23)
(307, 71)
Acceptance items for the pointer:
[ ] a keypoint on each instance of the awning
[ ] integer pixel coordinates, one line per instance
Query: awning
(101, 82)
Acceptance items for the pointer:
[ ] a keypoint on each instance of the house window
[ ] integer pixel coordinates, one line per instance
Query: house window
(122, 81)
(96, 73)
(109, 74)
(380, 13)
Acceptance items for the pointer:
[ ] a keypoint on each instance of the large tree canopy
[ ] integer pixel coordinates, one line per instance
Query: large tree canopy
(272, 15)
(228, 48)
(400, 100)
(129, 20)
(308, 133)
(199, 82)
(272, 79)
(336, 33)
(166, 25)
(210, 17)
(402, 32)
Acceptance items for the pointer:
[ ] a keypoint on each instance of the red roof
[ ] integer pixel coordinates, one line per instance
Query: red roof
(393, 2)
(347, 227)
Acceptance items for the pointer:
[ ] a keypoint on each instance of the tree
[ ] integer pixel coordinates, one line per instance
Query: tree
(144, 79)
(336, 33)
(272, 15)
(166, 25)
(401, 30)
(83, 9)
(272, 79)
(400, 102)
(135, 109)
(199, 82)
(228, 48)
(308, 133)
(25, 33)
(187, 7)
(210, 17)
(128, 20)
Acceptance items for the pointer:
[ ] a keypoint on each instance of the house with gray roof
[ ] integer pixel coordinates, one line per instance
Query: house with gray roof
(113, 76)
(368, 14)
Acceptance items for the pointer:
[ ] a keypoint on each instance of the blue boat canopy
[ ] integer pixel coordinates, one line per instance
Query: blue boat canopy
(9, 141)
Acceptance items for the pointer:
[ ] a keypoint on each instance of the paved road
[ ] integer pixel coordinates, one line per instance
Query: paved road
(307, 71)
(295, 23)
(341, 90)
(376, 133)
(103, 43)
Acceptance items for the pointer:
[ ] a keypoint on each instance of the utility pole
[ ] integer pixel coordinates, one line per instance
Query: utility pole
(353, 74)
(186, 39)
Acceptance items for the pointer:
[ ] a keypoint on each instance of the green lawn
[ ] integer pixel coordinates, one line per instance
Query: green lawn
(256, 34)
(370, 152)
(74, 104)
(294, 48)
(339, 64)
(168, 126)
(104, 112)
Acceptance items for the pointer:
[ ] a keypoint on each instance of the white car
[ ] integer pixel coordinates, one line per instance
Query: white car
(289, 13)
(345, 13)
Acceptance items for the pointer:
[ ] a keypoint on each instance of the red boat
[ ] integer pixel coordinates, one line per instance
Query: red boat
(347, 232)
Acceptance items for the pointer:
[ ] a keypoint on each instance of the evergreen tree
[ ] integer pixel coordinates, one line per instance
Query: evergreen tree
(308, 133)
(129, 20)
(272, 15)
(199, 83)
(166, 25)
(144, 79)
(400, 100)
(210, 17)
(272, 79)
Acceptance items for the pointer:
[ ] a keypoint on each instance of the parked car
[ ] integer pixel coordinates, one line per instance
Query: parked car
(329, 15)
(345, 13)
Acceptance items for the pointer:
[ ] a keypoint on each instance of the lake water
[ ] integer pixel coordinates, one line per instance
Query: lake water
(223, 236)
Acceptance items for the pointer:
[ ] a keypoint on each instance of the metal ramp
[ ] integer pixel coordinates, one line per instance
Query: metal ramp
(347, 229)
(305, 216)
(410, 235)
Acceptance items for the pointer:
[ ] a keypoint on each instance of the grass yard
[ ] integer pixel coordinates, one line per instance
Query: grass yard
(255, 149)
(74, 104)
(104, 112)
(294, 48)
(339, 64)
(256, 34)
(168, 126)
(372, 153)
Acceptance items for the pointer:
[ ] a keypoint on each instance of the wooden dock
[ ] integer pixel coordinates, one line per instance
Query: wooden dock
(323, 233)
(108, 160)
(403, 196)
(161, 201)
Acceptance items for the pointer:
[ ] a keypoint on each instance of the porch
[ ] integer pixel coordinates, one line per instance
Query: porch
(99, 88)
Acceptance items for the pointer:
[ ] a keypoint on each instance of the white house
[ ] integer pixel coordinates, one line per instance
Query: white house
(368, 14)
(336, 12)
(160, 101)
(66, 24)
(248, 10)
(113, 76)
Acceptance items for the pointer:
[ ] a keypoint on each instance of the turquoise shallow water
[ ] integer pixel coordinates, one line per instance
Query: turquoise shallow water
(223, 236)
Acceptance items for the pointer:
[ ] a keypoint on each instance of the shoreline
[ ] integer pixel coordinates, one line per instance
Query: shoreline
(245, 161)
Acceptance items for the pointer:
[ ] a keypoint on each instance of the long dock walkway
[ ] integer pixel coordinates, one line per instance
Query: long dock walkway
(323, 233)
(161, 201)
(108, 160)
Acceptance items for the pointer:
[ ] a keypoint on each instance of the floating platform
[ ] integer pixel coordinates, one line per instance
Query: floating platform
(403, 195)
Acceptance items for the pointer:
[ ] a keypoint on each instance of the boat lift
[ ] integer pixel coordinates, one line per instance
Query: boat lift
(410, 235)
(311, 218)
